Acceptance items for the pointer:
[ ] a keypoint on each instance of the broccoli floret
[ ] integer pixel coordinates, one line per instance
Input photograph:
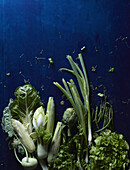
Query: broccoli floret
(6, 120)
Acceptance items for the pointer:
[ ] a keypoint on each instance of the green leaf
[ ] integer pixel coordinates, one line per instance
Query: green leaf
(109, 152)
(27, 100)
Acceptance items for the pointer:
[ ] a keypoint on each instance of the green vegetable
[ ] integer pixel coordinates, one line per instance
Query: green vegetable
(6, 120)
(65, 159)
(17, 122)
(9, 129)
(24, 135)
(30, 128)
(104, 115)
(27, 162)
(109, 152)
(71, 153)
(22, 108)
(82, 109)
(26, 102)
(55, 143)
(69, 116)
(39, 118)
(43, 164)
(44, 125)
(51, 114)
(44, 134)
(69, 119)
(16, 143)
(44, 138)
(39, 123)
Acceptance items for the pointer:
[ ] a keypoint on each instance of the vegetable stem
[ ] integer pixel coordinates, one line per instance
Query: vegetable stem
(73, 96)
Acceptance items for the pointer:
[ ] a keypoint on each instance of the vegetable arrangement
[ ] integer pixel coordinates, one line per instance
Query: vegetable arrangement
(71, 144)
(30, 130)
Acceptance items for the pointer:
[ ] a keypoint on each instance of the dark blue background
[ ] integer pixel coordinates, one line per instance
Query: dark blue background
(60, 28)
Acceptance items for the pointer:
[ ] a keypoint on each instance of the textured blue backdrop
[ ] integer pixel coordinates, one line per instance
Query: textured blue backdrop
(58, 28)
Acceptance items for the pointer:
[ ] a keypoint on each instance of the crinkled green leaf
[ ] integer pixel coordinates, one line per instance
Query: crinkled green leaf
(109, 152)
(6, 120)
(27, 100)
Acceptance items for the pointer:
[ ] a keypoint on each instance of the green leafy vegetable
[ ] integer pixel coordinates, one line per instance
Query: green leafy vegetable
(110, 151)
(17, 122)
(26, 102)
(6, 120)
(72, 152)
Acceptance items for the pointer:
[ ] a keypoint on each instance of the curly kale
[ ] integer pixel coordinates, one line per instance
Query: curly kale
(8, 128)
(6, 120)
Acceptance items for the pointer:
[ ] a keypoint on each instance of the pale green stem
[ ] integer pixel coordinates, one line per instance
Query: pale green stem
(65, 93)
(84, 71)
(17, 155)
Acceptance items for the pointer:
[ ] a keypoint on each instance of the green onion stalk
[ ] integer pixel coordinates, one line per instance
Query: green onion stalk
(71, 92)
